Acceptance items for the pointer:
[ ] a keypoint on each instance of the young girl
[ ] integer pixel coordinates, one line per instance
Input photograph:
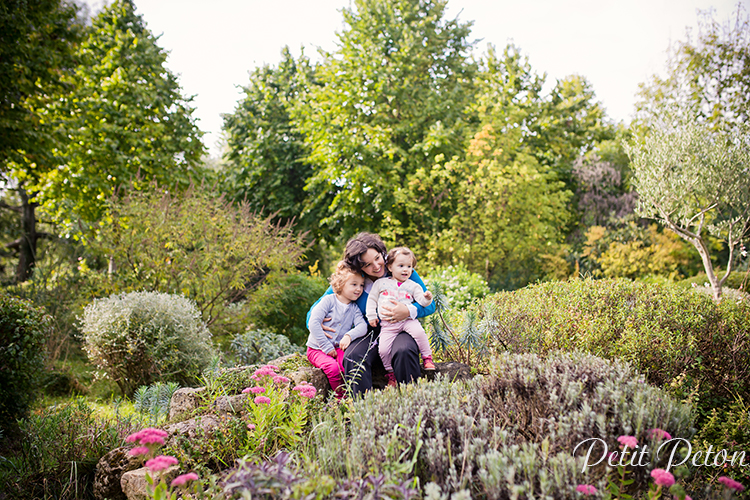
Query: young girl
(328, 353)
(400, 262)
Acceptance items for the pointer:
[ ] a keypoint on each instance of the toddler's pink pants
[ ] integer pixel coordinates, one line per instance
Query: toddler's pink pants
(332, 367)
(388, 333)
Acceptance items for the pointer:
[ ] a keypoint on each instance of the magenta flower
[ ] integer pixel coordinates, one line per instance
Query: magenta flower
(258, 390)
(146, 433)
(280, 379)
(630, 441)
(140, 450)
(251, 427)
(161, 462)
(264, 370)
(307, 391)
(659, 434)
(246, 390)
(184, 478)
(262, 400)
(662, 477)
(152, 439)
(586, 489)
(731, 483)
(272, 367)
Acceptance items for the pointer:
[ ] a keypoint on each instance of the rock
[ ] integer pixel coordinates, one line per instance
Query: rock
(231, 405)
(202, 426)
(313, 376)
(110, 470)
(452, 371)
(184, 402)
(134, 483)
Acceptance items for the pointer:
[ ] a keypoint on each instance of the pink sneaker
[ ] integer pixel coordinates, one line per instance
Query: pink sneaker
(428, 364)
(391, 379)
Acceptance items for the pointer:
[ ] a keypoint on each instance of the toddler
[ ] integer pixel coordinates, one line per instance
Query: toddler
(346, 318)
(400, 262)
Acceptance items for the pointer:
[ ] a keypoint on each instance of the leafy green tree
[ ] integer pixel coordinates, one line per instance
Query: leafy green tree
(191, 243)
(390, 100)
(38, 40)
(265, 158)
(124, 119)
(708, 77)
(695, 181)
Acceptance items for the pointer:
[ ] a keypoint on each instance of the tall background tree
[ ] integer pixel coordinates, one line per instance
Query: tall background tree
(38, 40)
(388, 102)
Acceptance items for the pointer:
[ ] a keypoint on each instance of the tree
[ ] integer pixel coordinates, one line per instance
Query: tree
(708, 77)
(695, 180)
(38, 39)
(265, 158)
(124, 119)
(390, 100)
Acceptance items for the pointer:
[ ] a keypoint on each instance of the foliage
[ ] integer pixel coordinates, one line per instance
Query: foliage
(37, 43)
(154, 400)
(384, 105)
(628, 250)
(124, 118)
(265, 165)
(194, 244)
(694, 180)
(59, 449)
(278, 304)
(23, 331)
(460, 287)
(707, 76)
(737, 280)
(281, 479)
(140, 337)
(602, 192)
(261, 346)
(509, 210)
(277, 416)
(511, 431)
(678, 339)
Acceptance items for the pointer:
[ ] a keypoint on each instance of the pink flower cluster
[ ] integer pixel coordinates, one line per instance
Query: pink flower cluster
(161, 462)
(262, 400)
(662, 477)
(586, 489)
(148, 438)
(731, 483)
(629, 441)
(306, 390)
(659, 434)
(184, 478)
(280, 379)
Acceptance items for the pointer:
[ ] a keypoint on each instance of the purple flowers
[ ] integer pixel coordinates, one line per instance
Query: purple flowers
(586, 489)
(262, 400)
(258, 390)
(140, 450)
(731, 483)
(306, 390)
(280, 379)
(662, 477)
(148, 436)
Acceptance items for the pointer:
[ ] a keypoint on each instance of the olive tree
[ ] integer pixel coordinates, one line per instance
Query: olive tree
(695, 181)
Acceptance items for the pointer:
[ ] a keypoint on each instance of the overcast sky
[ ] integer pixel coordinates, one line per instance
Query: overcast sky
(615, 44)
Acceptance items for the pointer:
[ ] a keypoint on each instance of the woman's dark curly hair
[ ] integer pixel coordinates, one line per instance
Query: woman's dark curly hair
(358, 245)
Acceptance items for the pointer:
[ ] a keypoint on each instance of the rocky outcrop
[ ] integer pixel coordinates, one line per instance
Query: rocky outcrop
(184, 402)
(109, 471)
(134, 483)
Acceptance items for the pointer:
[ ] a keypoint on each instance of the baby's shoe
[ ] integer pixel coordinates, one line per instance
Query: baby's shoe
(391, 379)
(428, 364)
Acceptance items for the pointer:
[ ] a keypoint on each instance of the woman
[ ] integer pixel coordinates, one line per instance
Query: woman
(366, 252)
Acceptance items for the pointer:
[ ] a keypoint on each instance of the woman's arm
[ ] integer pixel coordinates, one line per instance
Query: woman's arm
(309, 312)
(422, 311)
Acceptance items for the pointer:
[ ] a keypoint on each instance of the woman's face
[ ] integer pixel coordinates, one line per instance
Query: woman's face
(373, 266)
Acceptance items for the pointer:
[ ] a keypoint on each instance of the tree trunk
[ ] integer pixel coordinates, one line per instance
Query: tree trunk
(702, 248)
(27, 247)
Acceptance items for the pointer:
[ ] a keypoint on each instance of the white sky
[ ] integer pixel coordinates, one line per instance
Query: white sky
(615, 44)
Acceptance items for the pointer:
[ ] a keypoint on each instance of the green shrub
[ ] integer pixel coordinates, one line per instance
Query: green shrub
(459, 285)
(141, 337)
(154, 400)
(281, 303)
(260, 346)
(678, 339)
(509, 434)
(735, 280)
(23, 332)
(59, 449)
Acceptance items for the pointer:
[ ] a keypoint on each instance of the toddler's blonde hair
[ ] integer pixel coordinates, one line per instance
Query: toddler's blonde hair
(340, 275)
